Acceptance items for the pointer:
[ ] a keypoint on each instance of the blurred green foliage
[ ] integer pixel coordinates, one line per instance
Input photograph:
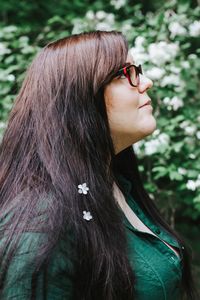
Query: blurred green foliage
(164, 36)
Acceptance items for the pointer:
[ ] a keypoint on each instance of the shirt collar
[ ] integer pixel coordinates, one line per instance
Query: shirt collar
(125, 184)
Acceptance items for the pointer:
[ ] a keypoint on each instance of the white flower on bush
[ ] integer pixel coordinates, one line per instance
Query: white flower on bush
(101, 14)
(155, 73)
(176, 29)
(176, 103)
(139, 41)
(125, 27)
(198, 135)
(156, 132)
(172, 79)
(182, 171)
(137, 147)
(11, 28)
(2, 125)
(162, 52)
(192, 156)
(190, 130)
(175, 70)
(139, 52)
(185, 64)
(138, 56)
(192, 56)
(193, 184)
(118, 3)
(10, 77)
(173, 104)
(194, 29)
(103, 26)
(4, 50)
(154, 145)
(184, 124)
(99, 21)
(90, 15)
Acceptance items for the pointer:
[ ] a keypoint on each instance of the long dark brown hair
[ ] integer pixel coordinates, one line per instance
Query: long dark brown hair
(57, 138)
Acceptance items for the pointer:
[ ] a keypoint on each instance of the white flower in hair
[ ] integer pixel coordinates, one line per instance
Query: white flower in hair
(82, 188)
(87, 215)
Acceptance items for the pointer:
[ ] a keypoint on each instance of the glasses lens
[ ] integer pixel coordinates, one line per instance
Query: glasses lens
(134, 75)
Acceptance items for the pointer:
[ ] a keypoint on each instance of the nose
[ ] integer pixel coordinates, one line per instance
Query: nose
(145, 84)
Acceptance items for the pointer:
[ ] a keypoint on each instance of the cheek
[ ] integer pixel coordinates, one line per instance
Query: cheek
(121, 99)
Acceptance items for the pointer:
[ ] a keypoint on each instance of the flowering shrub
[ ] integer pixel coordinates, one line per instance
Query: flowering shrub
(166, 42)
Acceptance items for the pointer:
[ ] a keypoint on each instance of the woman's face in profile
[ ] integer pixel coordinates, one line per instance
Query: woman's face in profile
(129, 122)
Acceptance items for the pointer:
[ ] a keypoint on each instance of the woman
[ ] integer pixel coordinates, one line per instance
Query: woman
(76, 222)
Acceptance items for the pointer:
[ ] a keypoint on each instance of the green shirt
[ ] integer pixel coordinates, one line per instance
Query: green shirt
(157, 268)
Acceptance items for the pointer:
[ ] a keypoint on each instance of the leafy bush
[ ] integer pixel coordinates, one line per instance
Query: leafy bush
(166, 42)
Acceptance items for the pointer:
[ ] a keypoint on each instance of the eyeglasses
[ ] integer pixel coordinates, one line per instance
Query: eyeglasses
(131, 72)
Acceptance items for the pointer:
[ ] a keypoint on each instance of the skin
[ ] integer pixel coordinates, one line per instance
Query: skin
(128, 123)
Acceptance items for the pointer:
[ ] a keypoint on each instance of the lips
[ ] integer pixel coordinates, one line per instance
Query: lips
(146, 103)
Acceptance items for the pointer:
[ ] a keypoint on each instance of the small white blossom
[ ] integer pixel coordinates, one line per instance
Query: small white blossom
(191, 185)
(182, 171)
(192, 56)
(83, 189)
(87, 215)
(194, 29)
(184, 124)
(155, 73)
(185, 64)
(176, 103)
(198, 183)
(103, 26)
(175, 70)
(154, 145)
(137, 147)
(90, 15)
(190, 130)
(172, 79)
(138, 55)
(11, 28)
(151, 147)
(110, 18)
(4, 49)
(198, 135)
(192, 156)
(138, 52)
(162, 52)
(139, 41)
(101, 14)
(118, 3)
(176, 29)
(166, 100)
(2, 125)
(156, 132)
(10, 77)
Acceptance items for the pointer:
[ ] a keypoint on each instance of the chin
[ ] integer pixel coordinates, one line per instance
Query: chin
(148, 128)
